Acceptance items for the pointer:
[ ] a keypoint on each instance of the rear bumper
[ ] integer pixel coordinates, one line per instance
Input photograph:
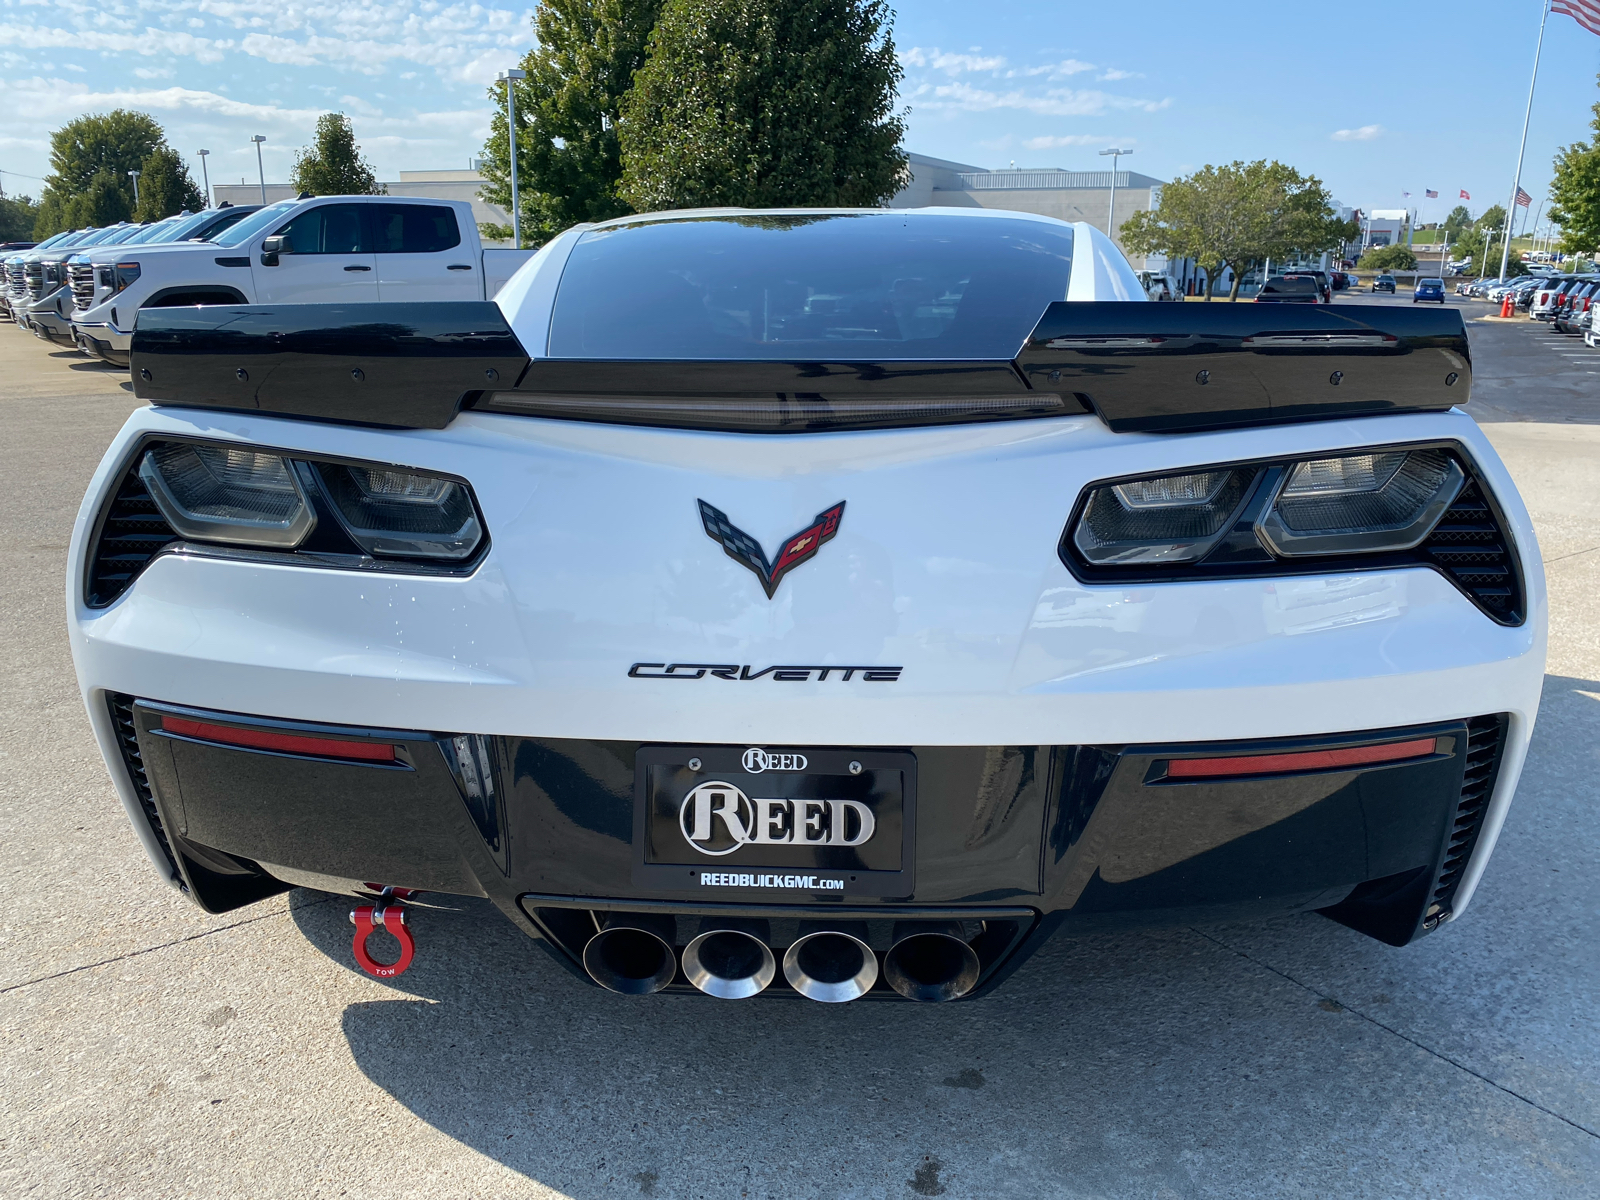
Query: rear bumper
(1034, 701)
(1016, 840)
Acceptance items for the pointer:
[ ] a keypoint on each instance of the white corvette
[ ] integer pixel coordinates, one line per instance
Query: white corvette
(831, 603)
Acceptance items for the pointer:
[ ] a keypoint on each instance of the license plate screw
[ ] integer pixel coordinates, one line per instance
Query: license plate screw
(855, 768)
(694, 764)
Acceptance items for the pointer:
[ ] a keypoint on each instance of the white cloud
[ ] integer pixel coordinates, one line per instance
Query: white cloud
(1059, 70)
(1117, 73)
(1365, 134)
(1054, 102)
(1076, 139)
(951, 64)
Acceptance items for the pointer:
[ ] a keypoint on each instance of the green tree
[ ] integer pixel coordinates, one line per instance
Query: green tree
(1458, 220)
(165, 187)
(763, 103)
(1575, 191)
(1389, 258)
(1227, 217)
(17, 217)
(1480, 245)
(89, 159)
(569, 159)
(334, 166)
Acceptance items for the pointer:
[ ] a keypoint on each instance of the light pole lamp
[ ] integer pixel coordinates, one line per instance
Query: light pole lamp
(1112, 209)
(261, 171)
(134, 175)
(205, 175)
(509, 78)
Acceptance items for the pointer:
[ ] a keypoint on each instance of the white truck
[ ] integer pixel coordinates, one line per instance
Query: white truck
(318, 250)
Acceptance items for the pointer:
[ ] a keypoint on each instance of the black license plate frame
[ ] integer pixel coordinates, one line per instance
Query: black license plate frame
(882, 781)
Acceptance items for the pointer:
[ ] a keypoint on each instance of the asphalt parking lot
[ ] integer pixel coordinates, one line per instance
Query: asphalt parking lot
(147, 1049)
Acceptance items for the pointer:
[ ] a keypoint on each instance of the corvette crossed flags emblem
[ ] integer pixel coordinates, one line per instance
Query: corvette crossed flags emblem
(746, 551)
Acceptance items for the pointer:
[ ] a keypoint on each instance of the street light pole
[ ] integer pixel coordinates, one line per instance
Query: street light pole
(1516, 185)
(509, 78)
(261, 171)
(134, 175)
(1111, 211)
(206, 175)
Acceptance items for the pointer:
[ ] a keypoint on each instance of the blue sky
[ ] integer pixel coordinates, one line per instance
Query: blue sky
(1374, 99)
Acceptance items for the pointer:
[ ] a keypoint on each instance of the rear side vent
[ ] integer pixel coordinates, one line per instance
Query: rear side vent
(1470, 545)
(1485, 739)
(131, 534)
(128, 740)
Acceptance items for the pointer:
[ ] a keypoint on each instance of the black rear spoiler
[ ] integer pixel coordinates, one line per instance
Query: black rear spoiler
(1157, 367)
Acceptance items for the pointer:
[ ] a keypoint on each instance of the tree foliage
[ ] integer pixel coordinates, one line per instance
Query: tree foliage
(568, 155)
(1230, 216)
(1458, 220)
(17, 217)
(165, 186)
(1389, 258)
(333, 166)
(1480, 245)
(1575, 191)
(89, 162)
(765, 103)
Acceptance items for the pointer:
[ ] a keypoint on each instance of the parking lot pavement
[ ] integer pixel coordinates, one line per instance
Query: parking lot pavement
(149, 1050)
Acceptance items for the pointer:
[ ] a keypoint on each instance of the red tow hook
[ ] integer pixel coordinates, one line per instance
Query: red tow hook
(390, 914)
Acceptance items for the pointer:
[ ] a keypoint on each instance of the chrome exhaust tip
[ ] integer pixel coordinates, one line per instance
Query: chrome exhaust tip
(833, 964)
(930, 961)
(632, 953)
(730, 959)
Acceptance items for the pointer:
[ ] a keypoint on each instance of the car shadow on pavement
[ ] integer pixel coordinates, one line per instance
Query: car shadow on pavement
(1287, 1052)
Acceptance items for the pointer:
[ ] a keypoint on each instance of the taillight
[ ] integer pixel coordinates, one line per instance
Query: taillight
(279, 741)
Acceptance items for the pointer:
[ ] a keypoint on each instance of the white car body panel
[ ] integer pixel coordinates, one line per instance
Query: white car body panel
(944, 565)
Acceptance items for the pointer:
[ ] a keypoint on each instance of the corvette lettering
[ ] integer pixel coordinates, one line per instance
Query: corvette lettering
(782, 674)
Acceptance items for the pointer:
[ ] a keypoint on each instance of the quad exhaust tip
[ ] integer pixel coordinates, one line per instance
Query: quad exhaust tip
(930, 961)
(833, 964)
(730, 959)
(632, 953)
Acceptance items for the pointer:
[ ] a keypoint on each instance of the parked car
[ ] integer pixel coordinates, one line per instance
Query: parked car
(1160, 286)
(1384, 283)
(94, 273)
(321, 250)
(1428, 289)
(1323, 280)
(1548, 294)
(331, 630)
(44, 275)
(1575, 301)
(1289, 289)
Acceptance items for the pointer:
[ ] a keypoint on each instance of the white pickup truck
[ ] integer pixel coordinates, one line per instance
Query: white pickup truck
(322, 250)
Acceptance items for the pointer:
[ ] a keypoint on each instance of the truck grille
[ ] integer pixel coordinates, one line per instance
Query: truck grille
(16, 280)
(82, 276)
(1485, 740)
(34, 279)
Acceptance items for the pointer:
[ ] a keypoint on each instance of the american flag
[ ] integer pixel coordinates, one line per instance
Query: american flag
(1465, 195)
(1523, 199)
(1584, 12)
(1431, 194)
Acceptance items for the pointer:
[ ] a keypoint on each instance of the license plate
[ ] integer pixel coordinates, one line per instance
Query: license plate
(733, 820)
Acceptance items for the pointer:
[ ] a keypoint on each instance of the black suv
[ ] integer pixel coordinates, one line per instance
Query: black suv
(1384, 283)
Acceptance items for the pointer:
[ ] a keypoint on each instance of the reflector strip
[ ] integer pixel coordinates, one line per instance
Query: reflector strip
(1307, 760)
(271, 739)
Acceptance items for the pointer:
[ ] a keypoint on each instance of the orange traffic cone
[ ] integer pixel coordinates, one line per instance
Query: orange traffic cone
(1506, 308)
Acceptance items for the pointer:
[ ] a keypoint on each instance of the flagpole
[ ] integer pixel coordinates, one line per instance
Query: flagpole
(1516, 187)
